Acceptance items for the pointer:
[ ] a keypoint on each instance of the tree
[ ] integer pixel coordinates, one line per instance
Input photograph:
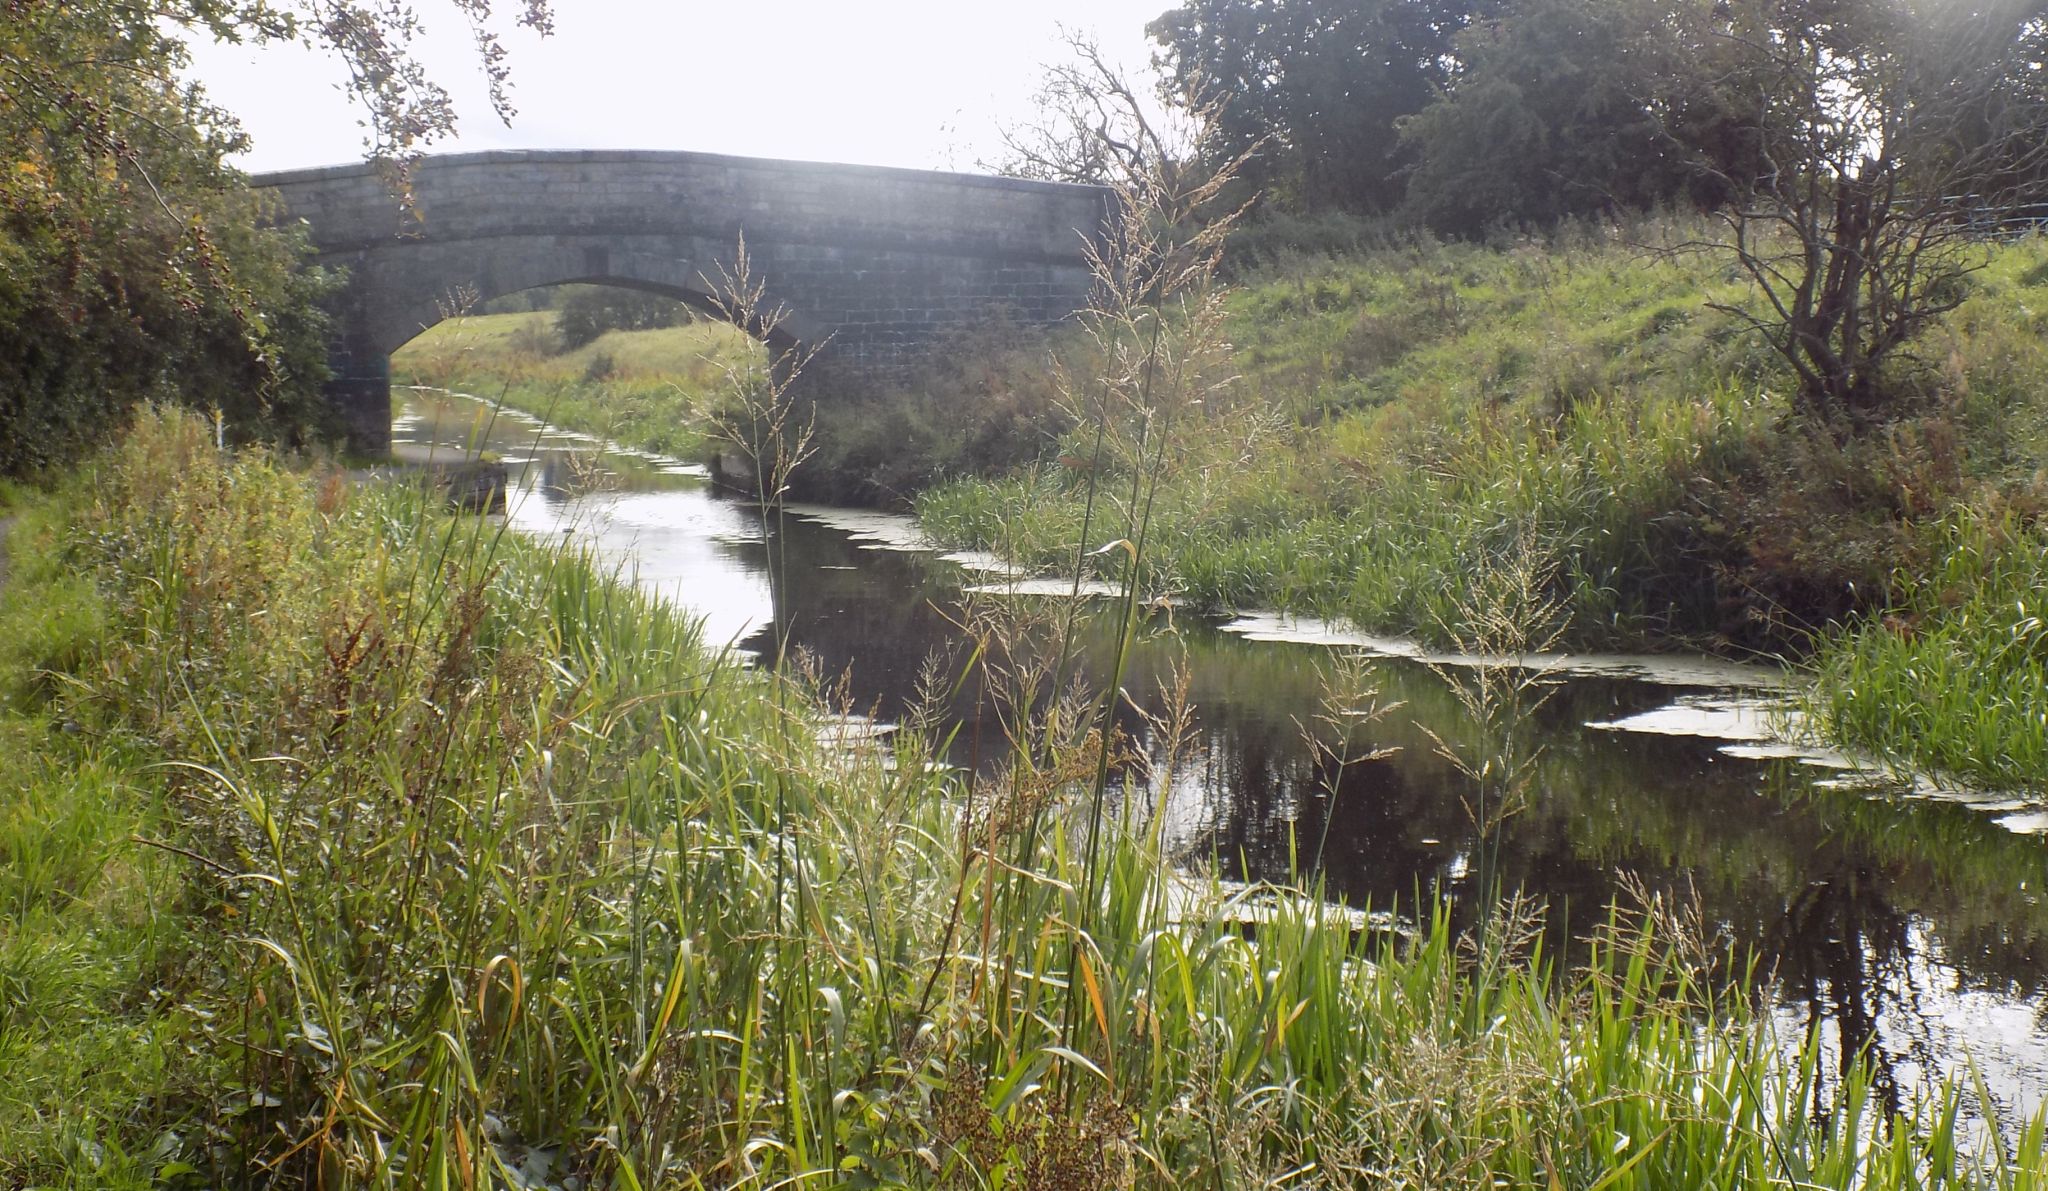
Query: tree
(1548, 116)
(1091, 126)
(1319, 85)
(133, 263)
(588, 311)
(130, 267)
(1884, 128)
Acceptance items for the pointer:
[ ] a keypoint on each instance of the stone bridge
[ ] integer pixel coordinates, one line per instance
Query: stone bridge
(871, 265)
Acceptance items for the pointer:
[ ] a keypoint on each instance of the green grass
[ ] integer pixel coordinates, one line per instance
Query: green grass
(1596, 490)
(1403, 413)
(652, 390)
(483, 864)
(1956, 682)
(91, 942)
(1953, 678)
(1441, 328)
(1399, 414)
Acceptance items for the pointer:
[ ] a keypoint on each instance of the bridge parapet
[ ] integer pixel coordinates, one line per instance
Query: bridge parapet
(872, 264)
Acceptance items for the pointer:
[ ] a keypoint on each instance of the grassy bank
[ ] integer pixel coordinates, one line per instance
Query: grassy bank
(652, 389)
(1954, 681)
(360, 846)
(1407, 419)
(982, 404)
(1401, 414)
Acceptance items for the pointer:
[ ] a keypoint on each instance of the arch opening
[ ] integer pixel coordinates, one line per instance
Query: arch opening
(470, 301)
(639, 364)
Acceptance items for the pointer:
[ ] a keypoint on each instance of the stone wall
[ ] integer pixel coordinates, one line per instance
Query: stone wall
(871, 265)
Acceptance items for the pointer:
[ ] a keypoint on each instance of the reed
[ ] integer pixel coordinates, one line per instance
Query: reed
(1437, 402)
(1602, 488)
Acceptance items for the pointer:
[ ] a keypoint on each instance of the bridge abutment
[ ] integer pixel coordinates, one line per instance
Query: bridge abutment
(358, 390)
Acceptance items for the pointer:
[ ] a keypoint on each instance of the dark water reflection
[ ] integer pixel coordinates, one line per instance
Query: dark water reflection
(1912, 927)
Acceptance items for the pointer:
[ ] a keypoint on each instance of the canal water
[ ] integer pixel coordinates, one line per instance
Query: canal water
(1894, 918)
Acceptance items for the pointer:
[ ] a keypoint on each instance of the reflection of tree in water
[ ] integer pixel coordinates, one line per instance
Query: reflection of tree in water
(1846, 953)
(565, 475)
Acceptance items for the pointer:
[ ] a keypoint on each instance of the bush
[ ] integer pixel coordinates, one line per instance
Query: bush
(134, 265)
(588, 311)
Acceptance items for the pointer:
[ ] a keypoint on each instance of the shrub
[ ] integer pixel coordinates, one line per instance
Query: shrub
(135, 265)
(588, 311)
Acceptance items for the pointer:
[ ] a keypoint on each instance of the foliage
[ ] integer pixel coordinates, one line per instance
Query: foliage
(1952, 682)
(1090, 126)
(586, 312)
(482, 868)
(759, 414)
(1402, 413)
(982, 403)
(1094, 127)
(1275, 242)
(985, 401)
(130, 263)
(132, 266)
(524, 881)
(1465, 117)
(1547, 120)
(1881, 129)
(1316, 87)
(1407, 411)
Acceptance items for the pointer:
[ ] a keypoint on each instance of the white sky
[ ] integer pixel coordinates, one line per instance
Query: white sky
(919, 83)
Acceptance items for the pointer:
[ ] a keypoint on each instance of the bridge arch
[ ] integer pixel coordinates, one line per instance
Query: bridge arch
(871, 265)
(509, 267)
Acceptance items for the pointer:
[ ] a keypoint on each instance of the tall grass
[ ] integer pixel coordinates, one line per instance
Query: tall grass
(464, 865)
(1604, 489)
(1952, 683)
(481, 871)
(1406, 410)
(1402, 409)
